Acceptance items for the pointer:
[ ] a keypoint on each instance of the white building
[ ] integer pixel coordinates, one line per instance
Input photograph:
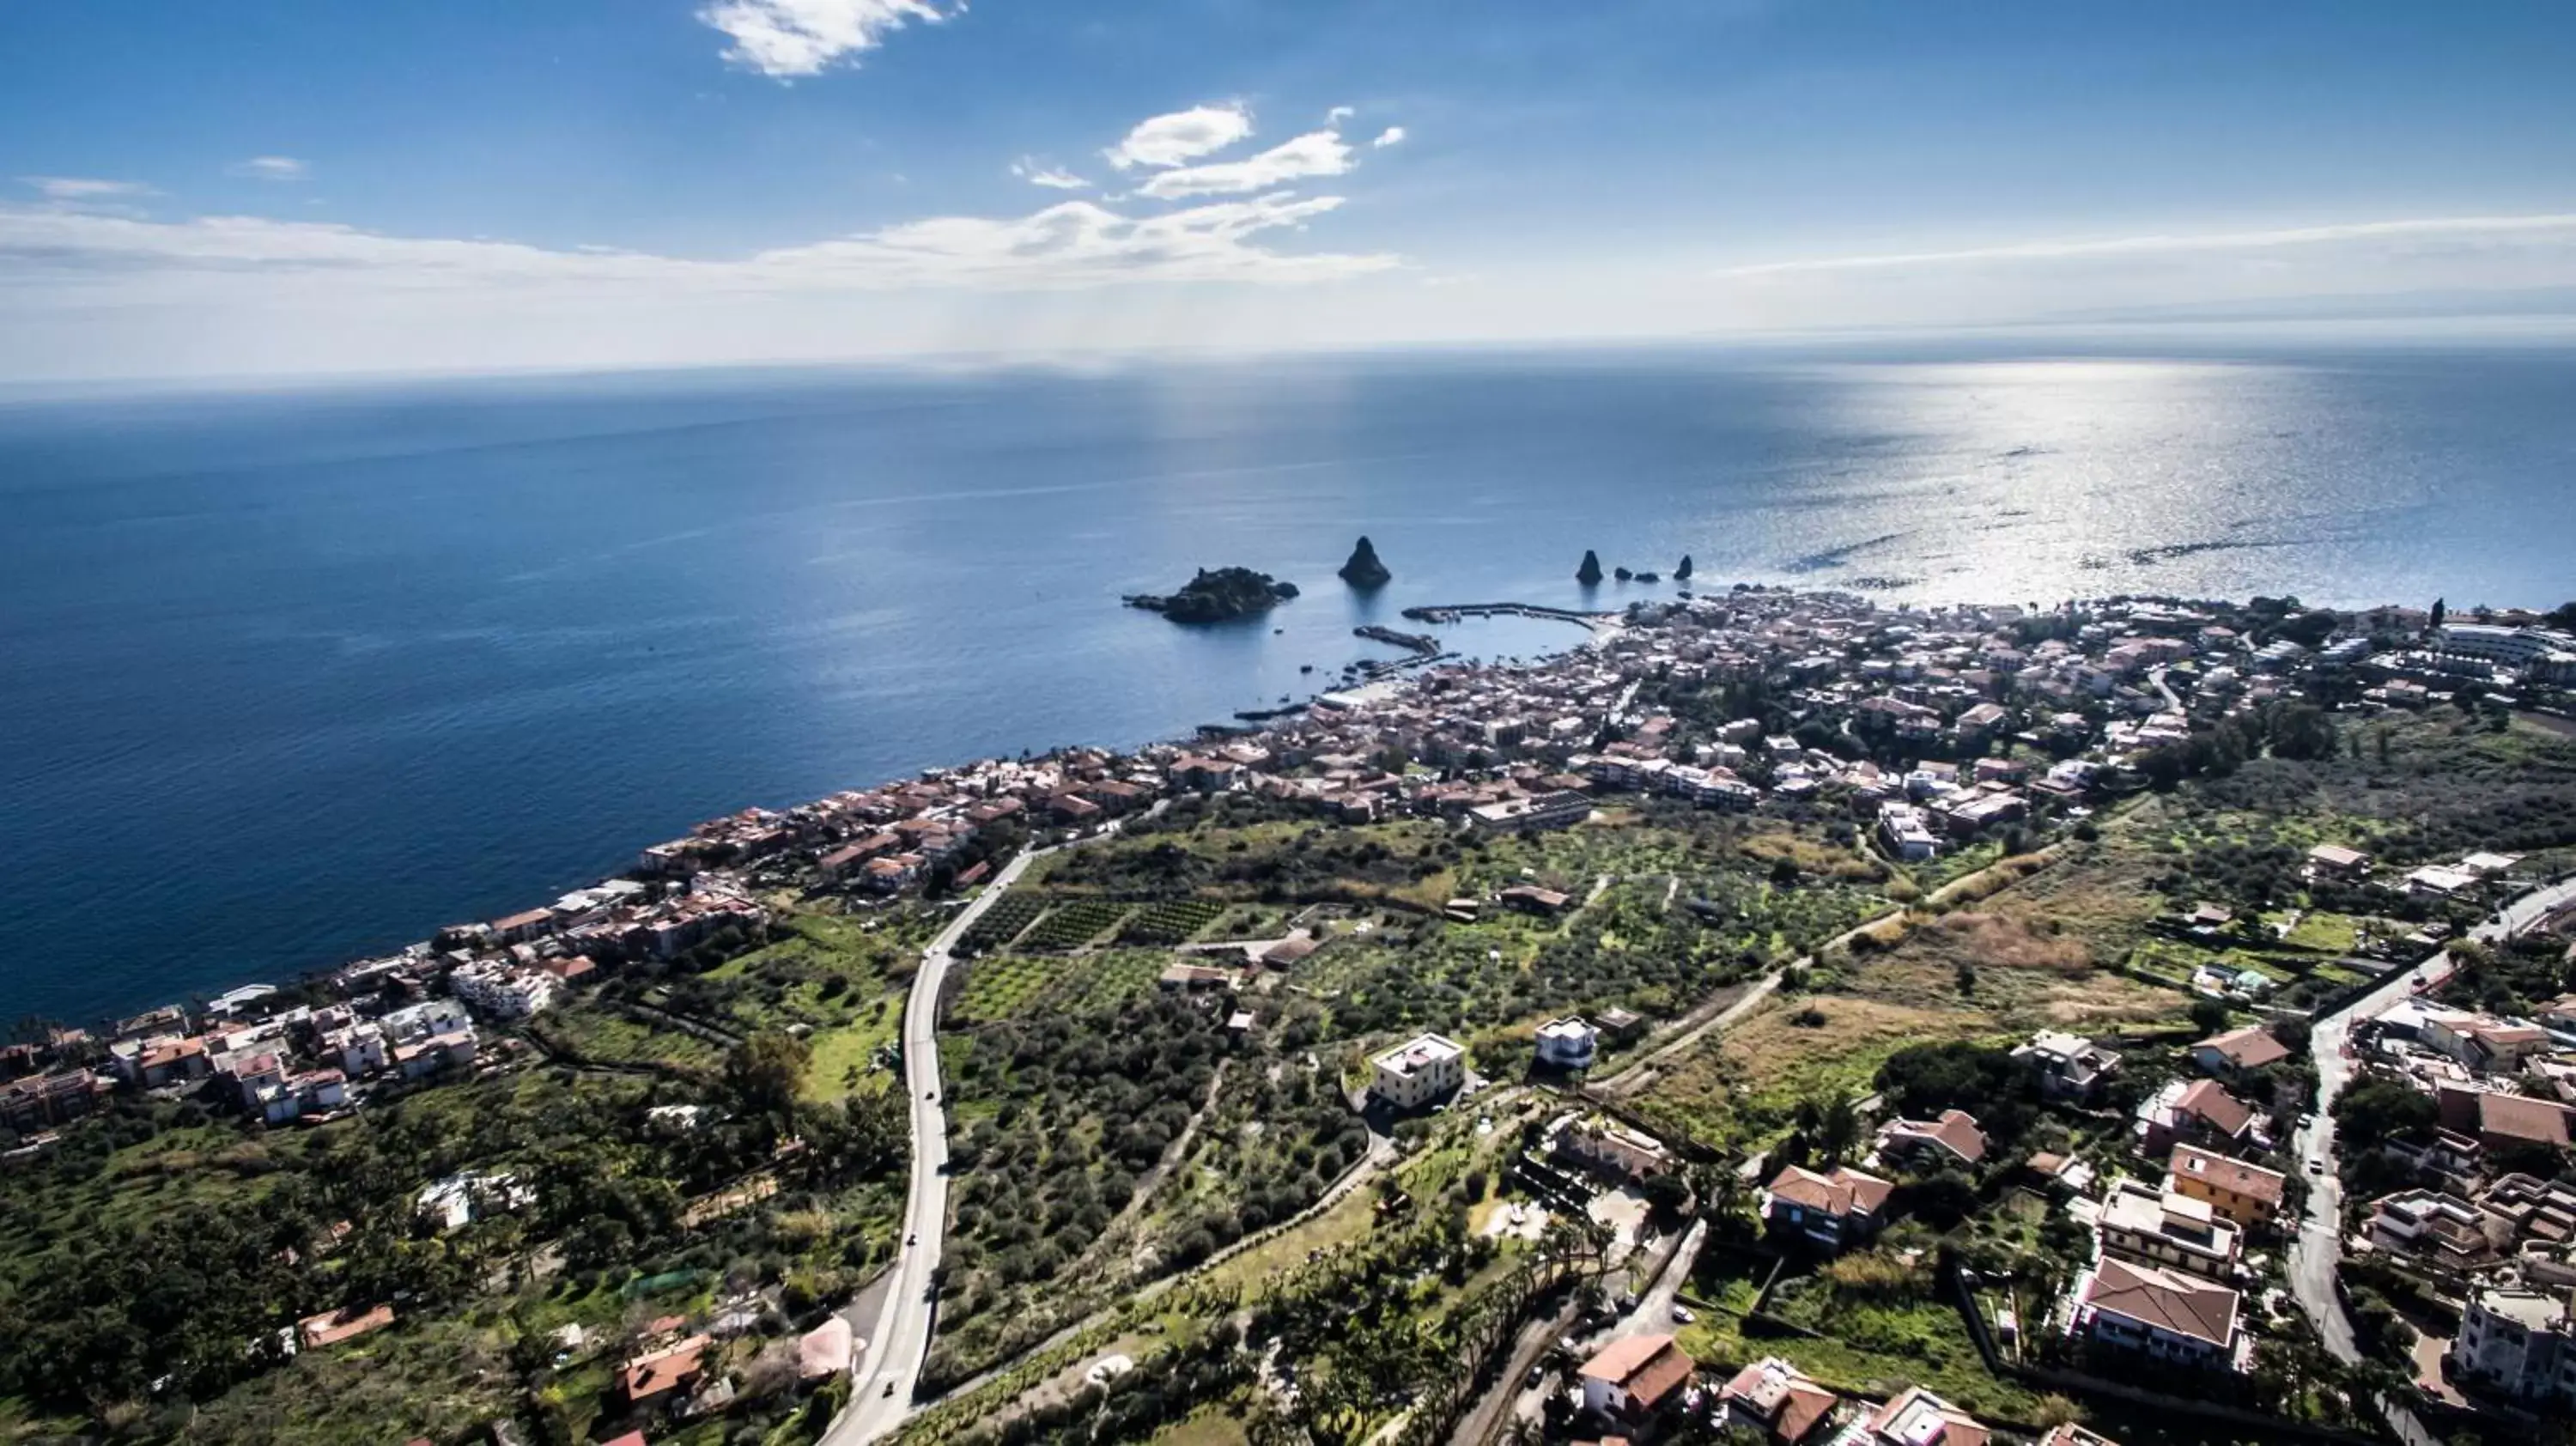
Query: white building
(1425, 1068)
(2518, 1343)
(427, 1019)
(1906, 831)
(1568, 1043)
(503, 991)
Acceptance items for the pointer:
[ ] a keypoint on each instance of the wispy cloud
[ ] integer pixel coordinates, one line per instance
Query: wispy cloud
(1391, 136)
(1181, 136)
(1054, 178)
(83, 188)
(1316, 153)
(786, 39)
(271, 168)
(1070, 244)
(2438, 228)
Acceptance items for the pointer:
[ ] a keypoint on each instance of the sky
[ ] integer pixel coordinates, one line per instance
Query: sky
(211, 188)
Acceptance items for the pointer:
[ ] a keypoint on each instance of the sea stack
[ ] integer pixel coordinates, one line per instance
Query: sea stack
(1589, 574)
(1364, 571)
(1681, 570)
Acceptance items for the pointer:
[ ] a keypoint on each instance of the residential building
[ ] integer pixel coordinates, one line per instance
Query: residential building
(1916, 1418)
(1778, 1400)
(2072, 1069)
(2247, 1195)
(1633, 1377)
(2238, 1052)
(1621, 1026)
(2518, 1343)
(2196, 1111)
(2501, 1121)
(2161, 1314)
(2482, 1042)
(1423, 1069)
(1568, 1043)
(1829, 1210)
(657, 1377)
(1952, 1140)
(2159, 1227)
(1563, 808)
(2437, 1228)
(1606, 1147)
(30, 1105)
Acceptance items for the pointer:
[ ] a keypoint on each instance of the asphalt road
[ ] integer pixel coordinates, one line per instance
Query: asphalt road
(2319, 1245)
(901, 1341)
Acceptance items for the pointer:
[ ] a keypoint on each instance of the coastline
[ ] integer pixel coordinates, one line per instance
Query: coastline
(1386, 680)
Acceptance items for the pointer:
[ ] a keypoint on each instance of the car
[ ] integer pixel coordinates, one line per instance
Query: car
(1682, 1315)
(931, 1095)
(889, 1390)
(1536, 1375)
(2316, 1167)
(913, 1239)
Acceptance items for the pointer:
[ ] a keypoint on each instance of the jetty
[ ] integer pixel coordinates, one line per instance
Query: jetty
(1601, 624)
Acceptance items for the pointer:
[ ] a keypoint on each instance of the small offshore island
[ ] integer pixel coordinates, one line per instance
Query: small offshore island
(1749, 1008)
(1218, 596)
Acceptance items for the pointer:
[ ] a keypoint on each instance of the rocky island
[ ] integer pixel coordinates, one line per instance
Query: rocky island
(1214, 597)
(1589, 574)
(1364, 571)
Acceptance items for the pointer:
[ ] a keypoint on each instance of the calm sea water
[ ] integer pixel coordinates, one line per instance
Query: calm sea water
(290, 677)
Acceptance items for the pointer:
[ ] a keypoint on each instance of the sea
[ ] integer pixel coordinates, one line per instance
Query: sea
(290, 676)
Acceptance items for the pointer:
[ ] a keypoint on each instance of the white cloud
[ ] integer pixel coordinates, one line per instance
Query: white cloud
(83, 188)
(1392, 135)
(1316, 153)
(1054, 178)
(271, 168)
(789, 38)
(1338, 114)
(1180, 137)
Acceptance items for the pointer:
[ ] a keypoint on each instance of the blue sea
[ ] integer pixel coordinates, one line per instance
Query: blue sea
(289, 676)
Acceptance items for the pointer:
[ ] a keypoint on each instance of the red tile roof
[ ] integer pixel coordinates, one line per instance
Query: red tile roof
(1648, 1368)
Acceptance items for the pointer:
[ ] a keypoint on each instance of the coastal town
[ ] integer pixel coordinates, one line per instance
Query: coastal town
(1785, 1015)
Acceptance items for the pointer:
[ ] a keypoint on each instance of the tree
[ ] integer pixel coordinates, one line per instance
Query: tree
(2210, 1016)
(2379, 1109)
(764, 1073)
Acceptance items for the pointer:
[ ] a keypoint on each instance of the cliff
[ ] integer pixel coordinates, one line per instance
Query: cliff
(1213, 597)
(1364, 571)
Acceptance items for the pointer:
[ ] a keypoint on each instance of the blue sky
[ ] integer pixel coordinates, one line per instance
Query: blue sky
(218, 186)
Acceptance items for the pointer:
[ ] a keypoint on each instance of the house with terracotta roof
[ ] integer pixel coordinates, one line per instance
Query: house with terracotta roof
(656, 1377)
(2164, 1315)
(1777, 1399)
(2248, 1195)
(2500, 1121)
(2198, 1111)
(1830, 1211)
(1633, 1377)
(1953, 1139)
(2238, 1052)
